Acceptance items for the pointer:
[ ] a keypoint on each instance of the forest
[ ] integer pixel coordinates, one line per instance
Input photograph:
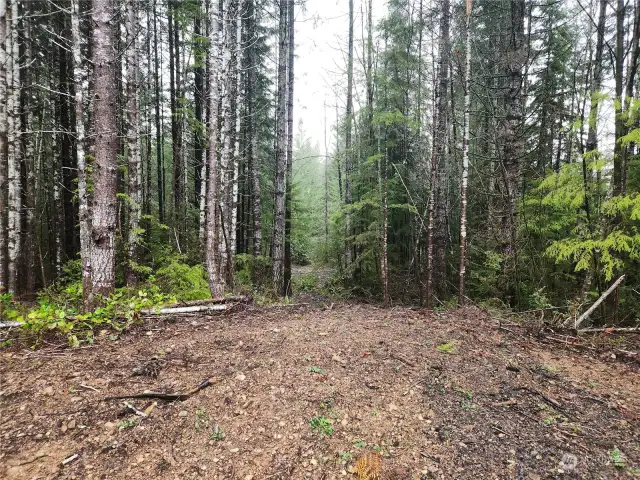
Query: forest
(482, 152)
(319, 239)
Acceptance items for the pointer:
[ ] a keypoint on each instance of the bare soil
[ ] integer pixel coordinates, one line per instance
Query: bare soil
(492, 402)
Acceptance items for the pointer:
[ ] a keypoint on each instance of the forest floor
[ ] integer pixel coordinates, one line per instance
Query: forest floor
(450, 395)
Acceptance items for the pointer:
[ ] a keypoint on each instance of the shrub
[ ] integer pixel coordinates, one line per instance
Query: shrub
(183, 281)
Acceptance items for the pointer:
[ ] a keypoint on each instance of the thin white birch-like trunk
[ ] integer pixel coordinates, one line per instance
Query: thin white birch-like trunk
(212, 158)
(465, 159)
(134, 171)
(79, 74)
(226, 160)
(3, 145)
(15, 153)
(29, 235)
(236, 26)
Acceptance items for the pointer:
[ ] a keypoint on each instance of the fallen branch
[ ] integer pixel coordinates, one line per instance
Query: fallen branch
(550, 401)
(610, 330)
(9, 324)
(591, 309)
(169, 397)
(212, 301)
(506, 403)
(401, 359)
(178, 310)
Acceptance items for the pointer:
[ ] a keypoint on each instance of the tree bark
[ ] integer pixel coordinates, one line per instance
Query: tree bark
(3, 146)
(83, 199)
(289, 174)
(253, 134)
(435, 230)
(465, 159)
(15, 154)
(281, 157)
(349, 248)
(158, 119)
(512, 144)
(103, 211)
(134, 170)
(212, 158)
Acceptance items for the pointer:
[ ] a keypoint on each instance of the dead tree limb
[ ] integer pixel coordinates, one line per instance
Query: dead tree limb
(588, 313)
(178, 310)
(169, 397)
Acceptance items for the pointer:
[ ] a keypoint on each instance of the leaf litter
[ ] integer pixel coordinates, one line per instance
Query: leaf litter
(307, 393)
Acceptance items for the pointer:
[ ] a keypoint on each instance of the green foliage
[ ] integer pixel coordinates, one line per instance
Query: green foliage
(127, 424)
(305, 283)
(252, 271)
(317, 370)
(617, 458)
(322, 425)
(118, 311)
(448, 347)
(185, 282)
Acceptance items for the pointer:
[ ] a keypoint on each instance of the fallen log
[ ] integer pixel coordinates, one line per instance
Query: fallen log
(178, 310)
(212, 301)
(597, 303)
(9, 324)
(610, 330)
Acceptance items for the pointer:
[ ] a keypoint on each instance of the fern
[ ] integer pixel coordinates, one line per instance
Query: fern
(369, 467)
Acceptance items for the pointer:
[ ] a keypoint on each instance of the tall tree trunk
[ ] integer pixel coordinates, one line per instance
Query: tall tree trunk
(134, 170)
(289, 175)
(3, 146)
(83, 200)
(212, 158)
(28, 266)
(199, 99)
(512, 145)
(15, 154)
(281, 157)
(158, 118)
(103, 211)
(465, 159)
(349, 249)
(176, 119)
(253, 132)
(618, 161)
(435, 232)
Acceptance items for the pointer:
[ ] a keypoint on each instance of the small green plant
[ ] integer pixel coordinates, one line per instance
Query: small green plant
(360, 443)
(317, 370)
(345, 457)
(306, 283)
(374, 413)
(217, 434)
(448, 347)
(321, 425)
(467, 405)
(617, 458)
(202, 420)
(127, 424)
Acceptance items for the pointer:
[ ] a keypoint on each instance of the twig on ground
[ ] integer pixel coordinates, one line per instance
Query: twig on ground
(135, 410)
(401, 359)
(169, 397)
(506, 403)
(70, 459)
(550, 401)
(89, 387)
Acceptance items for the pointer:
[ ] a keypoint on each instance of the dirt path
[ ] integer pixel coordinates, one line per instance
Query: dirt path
(485, 404)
